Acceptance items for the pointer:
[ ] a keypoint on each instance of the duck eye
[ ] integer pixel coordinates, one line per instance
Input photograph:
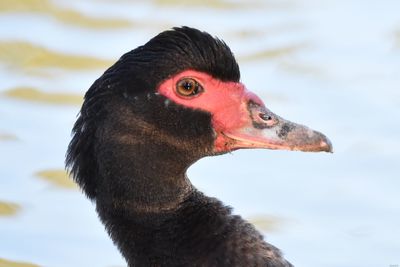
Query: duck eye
(188, 87)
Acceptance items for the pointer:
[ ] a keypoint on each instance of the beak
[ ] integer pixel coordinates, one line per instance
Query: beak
(257, 127)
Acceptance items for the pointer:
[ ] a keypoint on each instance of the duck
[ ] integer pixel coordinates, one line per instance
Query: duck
(160, 108)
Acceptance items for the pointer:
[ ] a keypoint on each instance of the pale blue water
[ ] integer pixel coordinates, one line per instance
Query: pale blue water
(337, 210)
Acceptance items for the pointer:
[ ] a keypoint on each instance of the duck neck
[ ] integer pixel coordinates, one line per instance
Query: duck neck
(141, 189)
(142, 177)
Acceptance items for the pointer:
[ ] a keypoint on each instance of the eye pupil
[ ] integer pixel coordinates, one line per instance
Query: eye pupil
(188, 87)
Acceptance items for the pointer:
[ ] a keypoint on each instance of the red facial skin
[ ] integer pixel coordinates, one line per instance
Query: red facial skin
(233, 119)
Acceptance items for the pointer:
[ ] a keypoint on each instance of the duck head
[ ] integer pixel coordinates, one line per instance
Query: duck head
(168, 103)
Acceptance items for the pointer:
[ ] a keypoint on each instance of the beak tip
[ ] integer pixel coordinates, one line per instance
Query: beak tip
(326, 145)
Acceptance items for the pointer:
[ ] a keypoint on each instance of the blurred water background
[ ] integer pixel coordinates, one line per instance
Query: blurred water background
(332, 65)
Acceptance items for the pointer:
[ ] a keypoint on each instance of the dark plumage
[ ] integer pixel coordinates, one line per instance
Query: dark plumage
(130, 150)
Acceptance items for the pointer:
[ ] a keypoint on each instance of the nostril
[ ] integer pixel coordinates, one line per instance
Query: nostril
(265, 116)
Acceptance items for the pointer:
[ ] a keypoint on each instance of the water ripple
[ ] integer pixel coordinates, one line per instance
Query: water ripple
(8, 209)
(27, 56)
(64, 15)
(36, 95)
(57, 177)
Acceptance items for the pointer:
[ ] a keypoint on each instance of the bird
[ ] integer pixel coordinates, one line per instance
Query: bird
(156, 111)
